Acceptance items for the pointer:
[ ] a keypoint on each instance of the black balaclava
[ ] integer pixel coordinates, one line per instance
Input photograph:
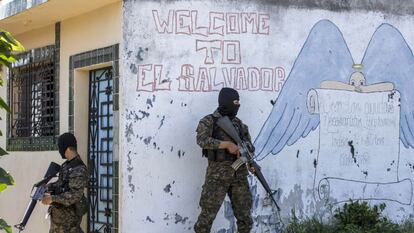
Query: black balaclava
(226, 99)
(64, 141)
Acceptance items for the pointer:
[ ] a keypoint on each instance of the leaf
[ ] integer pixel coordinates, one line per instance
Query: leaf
(4, 105)
(16, 45)
(5, 48)
(5, 62)
(2, 151)
(9, 58)
(5, 226)
(5, 180)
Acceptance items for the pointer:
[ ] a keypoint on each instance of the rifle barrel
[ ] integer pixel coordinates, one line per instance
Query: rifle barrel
(26, 216)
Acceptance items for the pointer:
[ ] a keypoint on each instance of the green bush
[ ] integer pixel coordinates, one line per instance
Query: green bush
(352, 217)
(360, 217)
(8, 45)
(311, 225)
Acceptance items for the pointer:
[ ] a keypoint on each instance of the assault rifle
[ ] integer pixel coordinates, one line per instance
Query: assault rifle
(246, 157)
(40, 186)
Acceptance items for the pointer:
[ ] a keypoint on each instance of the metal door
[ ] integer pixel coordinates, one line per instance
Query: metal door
(100, 136)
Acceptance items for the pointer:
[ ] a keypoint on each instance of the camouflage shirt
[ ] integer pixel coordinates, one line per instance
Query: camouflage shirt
(73, 179)
(206, 127)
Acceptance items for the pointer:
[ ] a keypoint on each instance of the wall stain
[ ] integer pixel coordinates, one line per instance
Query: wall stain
(141, 53)
(147, 140)
(162, 122)
(391, 96)
(365, 173)
(167, 188)
(149, 103)
(129, 132)
(148, 219)
(133, 68)
(143, 113)
(129, 167)
(352, 149)
(130, 184)
(179, 219)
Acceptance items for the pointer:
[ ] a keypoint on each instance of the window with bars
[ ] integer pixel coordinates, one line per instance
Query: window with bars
(32, 96)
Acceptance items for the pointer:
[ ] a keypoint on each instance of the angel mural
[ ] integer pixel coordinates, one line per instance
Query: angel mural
(363, 112)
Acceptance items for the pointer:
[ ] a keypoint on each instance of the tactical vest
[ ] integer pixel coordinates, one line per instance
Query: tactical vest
(65, 172)
(80, 207)
(220, 154)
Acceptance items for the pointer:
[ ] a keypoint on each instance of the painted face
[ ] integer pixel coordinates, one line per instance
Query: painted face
(357, 79)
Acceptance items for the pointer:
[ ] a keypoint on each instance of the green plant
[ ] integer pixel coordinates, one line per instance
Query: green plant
(308, 225)
(407, 227)
(360, 217)
(352, 217)
(359, 214)
(8, 45)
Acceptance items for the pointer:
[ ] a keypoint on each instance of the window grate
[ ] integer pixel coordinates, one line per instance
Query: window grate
(32, 99)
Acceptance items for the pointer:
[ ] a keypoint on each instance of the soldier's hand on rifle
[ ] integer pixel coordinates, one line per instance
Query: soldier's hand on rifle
(232, 148)
(251, 169)
(47, 199)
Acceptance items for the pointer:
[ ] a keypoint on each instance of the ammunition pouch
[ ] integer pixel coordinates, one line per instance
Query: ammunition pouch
(219, 155)
(81, 207)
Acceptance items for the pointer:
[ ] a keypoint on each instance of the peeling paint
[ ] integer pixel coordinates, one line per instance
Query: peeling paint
(130, 184)
(352, 149)
(133, 68)
(167, 188)
(129, 132)
(179, 219)
(149, 103)
(130, 167)
(148, 219)
(229, 215)
(147, 140)
(162, 122)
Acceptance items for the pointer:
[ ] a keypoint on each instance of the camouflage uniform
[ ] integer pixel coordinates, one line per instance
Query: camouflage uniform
(221, 179)
(69, 188)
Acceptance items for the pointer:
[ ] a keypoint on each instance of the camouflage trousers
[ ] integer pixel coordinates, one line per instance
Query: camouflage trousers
(65, 228)
(64, 220)
(220, 180)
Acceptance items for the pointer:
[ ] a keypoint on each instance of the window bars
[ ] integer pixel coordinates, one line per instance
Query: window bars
(32, 94)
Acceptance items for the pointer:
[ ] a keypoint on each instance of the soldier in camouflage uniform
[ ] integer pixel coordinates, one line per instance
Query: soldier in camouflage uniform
(66, 196)
(221, 179)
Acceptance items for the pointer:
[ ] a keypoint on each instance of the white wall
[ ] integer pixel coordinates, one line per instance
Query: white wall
(162, 167)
